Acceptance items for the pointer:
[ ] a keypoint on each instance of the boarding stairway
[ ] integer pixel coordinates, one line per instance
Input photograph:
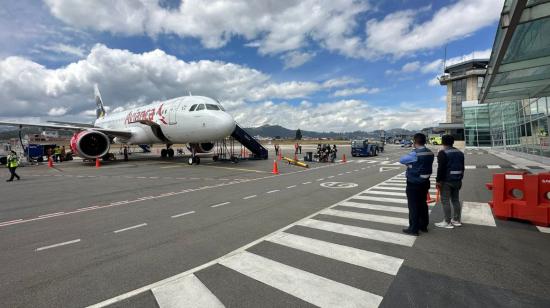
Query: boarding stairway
(258, 151)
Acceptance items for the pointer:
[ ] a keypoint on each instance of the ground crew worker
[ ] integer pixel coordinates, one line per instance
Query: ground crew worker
(296, 148)
(12, 163)
(63, 154)
(450, 172)
(126, 153)
(276, 146)
(56, 154)
(419, 169)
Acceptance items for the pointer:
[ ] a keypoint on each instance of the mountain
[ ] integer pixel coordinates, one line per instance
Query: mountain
(274, 131)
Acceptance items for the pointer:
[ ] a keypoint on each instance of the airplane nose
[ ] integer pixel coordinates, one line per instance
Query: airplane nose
(225, 123)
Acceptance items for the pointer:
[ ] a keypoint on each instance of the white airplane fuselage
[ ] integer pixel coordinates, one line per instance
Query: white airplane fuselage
(172, 122)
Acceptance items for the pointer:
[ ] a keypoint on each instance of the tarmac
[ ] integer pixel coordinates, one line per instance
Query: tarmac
(161, 233)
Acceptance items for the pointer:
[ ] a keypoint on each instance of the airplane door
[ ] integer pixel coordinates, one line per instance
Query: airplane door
(172, 114)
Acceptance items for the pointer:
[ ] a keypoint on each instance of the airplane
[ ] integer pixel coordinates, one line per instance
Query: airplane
(193, 120)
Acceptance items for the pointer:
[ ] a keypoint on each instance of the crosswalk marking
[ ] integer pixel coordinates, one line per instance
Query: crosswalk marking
(394, 184)
(493, 167)
(188, 291)
(372, 234)
(543, 229)
(389, 187)
(309, 287)
(377, 207)
(368, 217)
(478, 214)
(371, 260)
(381, 199)
(469, 167)
(387, 193)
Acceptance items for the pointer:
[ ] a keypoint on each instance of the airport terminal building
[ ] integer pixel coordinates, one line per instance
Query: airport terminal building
(513, 106)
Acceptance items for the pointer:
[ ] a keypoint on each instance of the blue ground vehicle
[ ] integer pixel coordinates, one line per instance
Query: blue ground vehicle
(365, 148)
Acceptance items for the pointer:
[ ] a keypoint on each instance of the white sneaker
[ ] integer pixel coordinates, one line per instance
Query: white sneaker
(444, 224)
(456, 223)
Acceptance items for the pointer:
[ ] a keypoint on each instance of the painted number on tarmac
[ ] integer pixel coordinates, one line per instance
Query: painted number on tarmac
(338, 185)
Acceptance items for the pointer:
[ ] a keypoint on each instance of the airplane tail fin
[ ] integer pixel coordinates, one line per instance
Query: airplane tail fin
(100, 109)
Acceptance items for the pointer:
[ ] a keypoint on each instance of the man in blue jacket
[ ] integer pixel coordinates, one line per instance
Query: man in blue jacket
(419, 169)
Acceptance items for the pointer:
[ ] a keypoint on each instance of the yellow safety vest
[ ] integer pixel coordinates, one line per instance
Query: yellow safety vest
(13, 162)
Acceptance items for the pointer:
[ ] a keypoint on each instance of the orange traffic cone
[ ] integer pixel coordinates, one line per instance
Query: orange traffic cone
(275, 168)
(429, 198)
(50, 162)
(97, 163)
(344, 158)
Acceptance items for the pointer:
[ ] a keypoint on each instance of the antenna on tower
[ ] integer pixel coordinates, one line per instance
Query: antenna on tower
(445, 59)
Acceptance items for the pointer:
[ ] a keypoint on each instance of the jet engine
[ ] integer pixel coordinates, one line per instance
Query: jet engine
(204, 147)
(90, 144)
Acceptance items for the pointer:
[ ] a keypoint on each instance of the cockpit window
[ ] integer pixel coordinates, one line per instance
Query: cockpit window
(200, 107)
(193, 107)
(221, 108)
(212, 107)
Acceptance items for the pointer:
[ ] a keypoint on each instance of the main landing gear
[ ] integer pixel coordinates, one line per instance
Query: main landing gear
(194, 159)
(168, 152)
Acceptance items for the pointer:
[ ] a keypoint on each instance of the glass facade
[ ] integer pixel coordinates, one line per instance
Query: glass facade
(477, 129)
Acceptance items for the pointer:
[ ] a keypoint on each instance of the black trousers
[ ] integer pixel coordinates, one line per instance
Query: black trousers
(418, 207)
(13, 174)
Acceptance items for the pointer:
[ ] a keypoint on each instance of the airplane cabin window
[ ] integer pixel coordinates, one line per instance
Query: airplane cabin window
(193, 107)
(200, 107)
(212, 107)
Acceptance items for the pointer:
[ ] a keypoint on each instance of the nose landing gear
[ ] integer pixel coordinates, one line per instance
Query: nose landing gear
(193, 159)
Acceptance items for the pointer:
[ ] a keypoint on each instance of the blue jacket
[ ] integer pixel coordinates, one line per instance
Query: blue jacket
(419, 165)
(454, 170)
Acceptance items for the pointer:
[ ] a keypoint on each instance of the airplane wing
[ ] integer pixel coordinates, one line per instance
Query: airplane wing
(110, 132)
(72, 124)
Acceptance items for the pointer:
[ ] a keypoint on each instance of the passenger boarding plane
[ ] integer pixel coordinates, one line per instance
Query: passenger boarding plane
(194, 120)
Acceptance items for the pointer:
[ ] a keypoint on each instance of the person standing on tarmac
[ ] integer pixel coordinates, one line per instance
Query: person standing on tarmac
(13, 162)
(450, 172)
(63, 154)
(56, 153)
(419, 169)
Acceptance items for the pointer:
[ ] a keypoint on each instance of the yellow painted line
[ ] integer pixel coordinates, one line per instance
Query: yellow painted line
(238, 169)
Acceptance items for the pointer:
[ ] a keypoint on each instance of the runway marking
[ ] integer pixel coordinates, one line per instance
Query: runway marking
(372, 234)
(330, 177)
(186, 292)
(58, 245)
(389, 187)
(340, 174)
(477, 213)
(249, 197)
(292, 186)
(382, 199)
(272, 191)
(319, 180)
(377, 207)
(470, 167)
(220, 204)
(51, 215)
(6, 223)
(368, 217)
(183, 214)
(371, 260)
(543, 229)
(239, 169)
(348, 172)
(306, 286)
(130, 228)
(305, 183)
(493, 167)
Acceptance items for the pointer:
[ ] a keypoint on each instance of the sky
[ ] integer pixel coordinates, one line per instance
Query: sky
(323, 65)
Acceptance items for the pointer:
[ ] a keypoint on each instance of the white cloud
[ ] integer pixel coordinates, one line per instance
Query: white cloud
(411, 67)
(434, 82)
(340, 82)
(295, 59)
(400, 34)
(355, 91)
(343, 115)
(57, 112)
(65, 49)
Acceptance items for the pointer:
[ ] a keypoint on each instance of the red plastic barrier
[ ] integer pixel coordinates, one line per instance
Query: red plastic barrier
(521, 196)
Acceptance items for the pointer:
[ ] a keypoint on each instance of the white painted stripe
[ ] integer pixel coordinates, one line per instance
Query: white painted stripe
(368, 217)
(372, 234)
(220, 204)
(377, 207)
(396, 181)
(130, 228)
(57, 245)
(469, 167)
(330, 177)
(387, 193)
(516, 167)
(400, 188)
(51, 215)
(381, 199)
(543, 229)
(319, 180)
(183, 214)
(493, 167)
(340, 174)
(306, 286)
(305, 183)
(477, 213)
(375, 261)
(291, 186)
(249, 197)
(272, 191)
(188, 291)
